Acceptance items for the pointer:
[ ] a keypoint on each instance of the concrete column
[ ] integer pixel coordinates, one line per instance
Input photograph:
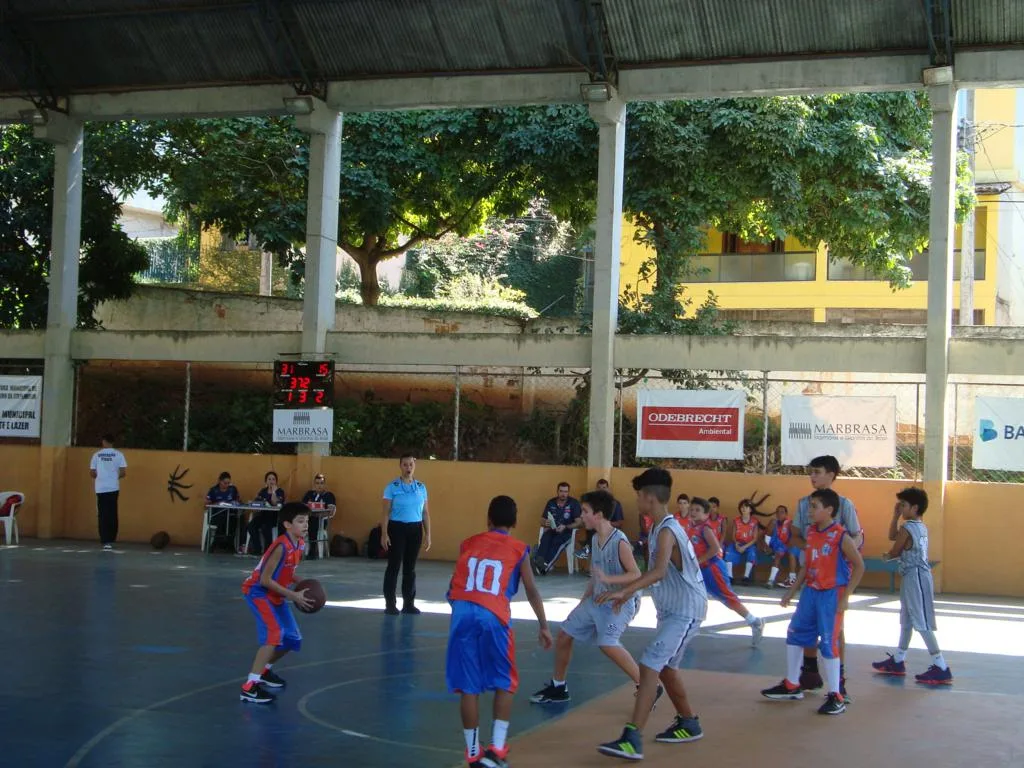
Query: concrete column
(318, 305)
(942, 94)
(611, 120)
(66, 135)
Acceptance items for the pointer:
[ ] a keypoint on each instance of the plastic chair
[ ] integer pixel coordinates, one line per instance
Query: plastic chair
(569, 548)
(323, 537)
(10, 521)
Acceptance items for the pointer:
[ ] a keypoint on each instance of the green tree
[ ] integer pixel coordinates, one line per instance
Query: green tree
(117, 161)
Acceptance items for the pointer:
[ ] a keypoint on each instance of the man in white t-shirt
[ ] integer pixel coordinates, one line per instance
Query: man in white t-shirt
(107, 468)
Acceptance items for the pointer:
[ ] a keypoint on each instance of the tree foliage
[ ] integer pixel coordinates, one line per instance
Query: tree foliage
(117, 158)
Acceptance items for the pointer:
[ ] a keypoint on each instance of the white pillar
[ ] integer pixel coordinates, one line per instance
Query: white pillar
(62, 309)
(318, 306)
(942, 94)
(324, 127)
(611, 120)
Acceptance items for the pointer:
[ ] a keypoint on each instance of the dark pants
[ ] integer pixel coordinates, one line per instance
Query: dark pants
(406, 540)
(261, 527)
(550, 545)
(106, 509)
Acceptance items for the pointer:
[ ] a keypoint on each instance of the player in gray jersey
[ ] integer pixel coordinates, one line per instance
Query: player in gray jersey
(917, 589)
(611, 563)
(677, 589)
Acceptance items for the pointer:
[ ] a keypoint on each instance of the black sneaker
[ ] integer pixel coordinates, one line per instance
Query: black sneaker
(782, 691)
(629, 746)
(411, 609)
(834, 705)
(551, 694)
(391, 610)
(657, 694)
(255, 694)
(271, 680)
(682, 730)
(810, 679)
(494, 759)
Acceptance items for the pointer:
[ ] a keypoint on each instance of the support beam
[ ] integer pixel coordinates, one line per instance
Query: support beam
(61, 313)
(611, 123)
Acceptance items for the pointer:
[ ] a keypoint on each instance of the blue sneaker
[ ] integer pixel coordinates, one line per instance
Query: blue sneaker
(935, 676)
(629, 746)
(890, 667)
(682, 730)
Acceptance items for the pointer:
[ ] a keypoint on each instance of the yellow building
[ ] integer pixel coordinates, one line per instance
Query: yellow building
(787, 280)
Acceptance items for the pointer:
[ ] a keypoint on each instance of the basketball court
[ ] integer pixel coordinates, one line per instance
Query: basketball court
(134, 658)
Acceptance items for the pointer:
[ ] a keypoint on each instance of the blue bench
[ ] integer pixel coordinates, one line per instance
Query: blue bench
(871, 565)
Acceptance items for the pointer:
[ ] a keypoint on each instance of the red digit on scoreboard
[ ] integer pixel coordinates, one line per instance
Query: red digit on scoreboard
(302, 396)
(319, 397)
(323, 369)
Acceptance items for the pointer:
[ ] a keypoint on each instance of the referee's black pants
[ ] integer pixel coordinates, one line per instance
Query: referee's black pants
(106, 510)
(406, 540)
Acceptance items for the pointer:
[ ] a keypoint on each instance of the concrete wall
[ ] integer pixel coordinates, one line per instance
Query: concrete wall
(161, 308)
(973, 560)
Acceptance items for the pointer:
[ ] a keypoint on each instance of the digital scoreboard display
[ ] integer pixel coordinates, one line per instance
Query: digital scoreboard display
(304, 384)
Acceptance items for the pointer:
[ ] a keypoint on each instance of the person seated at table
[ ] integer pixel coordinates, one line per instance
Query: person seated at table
(261, 527)
(224, 492)
(319, 498)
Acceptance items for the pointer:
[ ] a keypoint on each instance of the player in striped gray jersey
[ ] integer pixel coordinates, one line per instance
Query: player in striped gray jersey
(917, 589)
(677, 589)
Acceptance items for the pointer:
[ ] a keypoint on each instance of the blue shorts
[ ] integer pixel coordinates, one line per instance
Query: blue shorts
(817, 621)
(481, 651)
(736, 557)
(275, 624)
(778, 548)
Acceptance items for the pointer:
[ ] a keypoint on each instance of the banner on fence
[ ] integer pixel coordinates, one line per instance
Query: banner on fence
(858, 431)
(690, 424)
(303, 425)
(21, 403)
(999, 440)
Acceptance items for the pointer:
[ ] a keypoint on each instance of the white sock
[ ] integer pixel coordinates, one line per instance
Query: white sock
(794, 659)
(728, 567)
(268, 666)
(939, 662)
(792, 576)
(751, 619)
(472, 742)
(747, 569)
(499, 734)
(773, 574)
(832, 674)
(900, 655)
(253, 678)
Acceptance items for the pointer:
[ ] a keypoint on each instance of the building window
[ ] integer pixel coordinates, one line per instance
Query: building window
(844, 269)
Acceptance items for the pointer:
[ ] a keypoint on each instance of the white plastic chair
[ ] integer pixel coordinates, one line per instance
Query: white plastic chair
(11, 520)
(323, 538)
(569, 548)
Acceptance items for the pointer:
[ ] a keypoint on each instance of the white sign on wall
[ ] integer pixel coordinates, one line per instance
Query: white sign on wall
(21, 403)
(303, 425)
(858, 431)
(690, 424)
(999, 435)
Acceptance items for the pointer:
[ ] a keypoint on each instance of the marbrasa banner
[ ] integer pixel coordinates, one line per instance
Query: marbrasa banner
(690, 424)
(999, 439)
(859, 431)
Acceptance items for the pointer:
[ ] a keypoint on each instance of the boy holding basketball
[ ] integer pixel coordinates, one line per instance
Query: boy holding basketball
(481, 646)
(266, 591)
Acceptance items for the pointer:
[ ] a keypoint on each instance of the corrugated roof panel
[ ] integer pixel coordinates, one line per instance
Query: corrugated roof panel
(994, 22)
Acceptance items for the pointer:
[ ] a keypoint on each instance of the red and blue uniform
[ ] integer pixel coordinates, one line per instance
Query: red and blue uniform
(716, 575)
(717, 524)
(817, 618)
(275, 623)
(743, 533)
(481, 646)
(782, 537)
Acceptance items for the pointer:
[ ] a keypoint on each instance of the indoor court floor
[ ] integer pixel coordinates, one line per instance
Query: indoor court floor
(133, 658)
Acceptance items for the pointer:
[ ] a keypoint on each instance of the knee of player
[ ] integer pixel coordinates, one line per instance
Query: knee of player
(564, 638)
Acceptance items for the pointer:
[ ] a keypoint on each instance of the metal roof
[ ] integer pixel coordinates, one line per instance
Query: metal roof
(67, 47)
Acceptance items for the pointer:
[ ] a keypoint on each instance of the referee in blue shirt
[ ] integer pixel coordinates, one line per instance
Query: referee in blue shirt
(405, 527)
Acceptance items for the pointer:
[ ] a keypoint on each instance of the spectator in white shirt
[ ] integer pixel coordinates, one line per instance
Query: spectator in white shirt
(107, 468)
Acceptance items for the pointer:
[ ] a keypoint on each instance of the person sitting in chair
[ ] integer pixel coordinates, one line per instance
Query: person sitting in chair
(317, 499)
(561, 516)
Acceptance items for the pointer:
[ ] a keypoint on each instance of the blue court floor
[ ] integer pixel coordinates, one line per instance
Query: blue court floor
(133, 658)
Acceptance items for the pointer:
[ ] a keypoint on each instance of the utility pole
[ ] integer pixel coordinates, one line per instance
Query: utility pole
(968, 138)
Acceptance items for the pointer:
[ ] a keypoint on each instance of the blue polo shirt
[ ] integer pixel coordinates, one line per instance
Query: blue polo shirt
(566, 515)
(215, 495)
(407, 500)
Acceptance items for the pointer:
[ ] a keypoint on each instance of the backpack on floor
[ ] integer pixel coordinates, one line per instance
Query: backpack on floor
(374, 550)
(342, 546)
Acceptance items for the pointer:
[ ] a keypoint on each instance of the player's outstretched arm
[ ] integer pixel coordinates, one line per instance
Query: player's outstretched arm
(537, 603)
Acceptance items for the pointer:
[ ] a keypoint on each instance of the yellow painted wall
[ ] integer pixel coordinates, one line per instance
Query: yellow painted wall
(996, 157)
(973, 561)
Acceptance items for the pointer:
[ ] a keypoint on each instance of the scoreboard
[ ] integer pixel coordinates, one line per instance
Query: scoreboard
(304, 384)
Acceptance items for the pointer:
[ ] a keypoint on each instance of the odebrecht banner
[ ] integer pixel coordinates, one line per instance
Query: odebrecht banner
(859, 431)
(690, 424)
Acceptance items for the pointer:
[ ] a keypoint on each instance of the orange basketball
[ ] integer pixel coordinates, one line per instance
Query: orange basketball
(314, 592)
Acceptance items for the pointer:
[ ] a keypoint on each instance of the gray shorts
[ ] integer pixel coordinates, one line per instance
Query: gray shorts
(599, 624)
(917, 604)
(667, 648)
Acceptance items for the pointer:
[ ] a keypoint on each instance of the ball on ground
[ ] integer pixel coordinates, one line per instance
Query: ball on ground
(314, 592)
(160, 539)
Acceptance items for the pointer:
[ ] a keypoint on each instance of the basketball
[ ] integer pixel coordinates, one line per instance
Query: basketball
(314, 591)
(160, 539)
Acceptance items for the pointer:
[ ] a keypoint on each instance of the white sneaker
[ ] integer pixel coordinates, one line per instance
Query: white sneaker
(757, 630)
(108, 547)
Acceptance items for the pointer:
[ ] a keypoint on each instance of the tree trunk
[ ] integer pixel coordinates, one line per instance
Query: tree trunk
(369, 285)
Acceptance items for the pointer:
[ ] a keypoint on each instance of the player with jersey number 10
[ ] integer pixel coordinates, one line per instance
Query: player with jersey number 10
(481, 645)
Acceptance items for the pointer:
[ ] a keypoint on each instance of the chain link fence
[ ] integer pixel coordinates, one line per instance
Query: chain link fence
(467, 413)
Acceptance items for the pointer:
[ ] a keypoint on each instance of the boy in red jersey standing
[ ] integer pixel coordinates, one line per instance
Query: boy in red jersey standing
(266, 591)
(481, 645)
(832, 569)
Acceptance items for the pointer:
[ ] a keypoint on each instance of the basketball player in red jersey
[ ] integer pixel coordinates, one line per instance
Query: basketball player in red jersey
(481, 645)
